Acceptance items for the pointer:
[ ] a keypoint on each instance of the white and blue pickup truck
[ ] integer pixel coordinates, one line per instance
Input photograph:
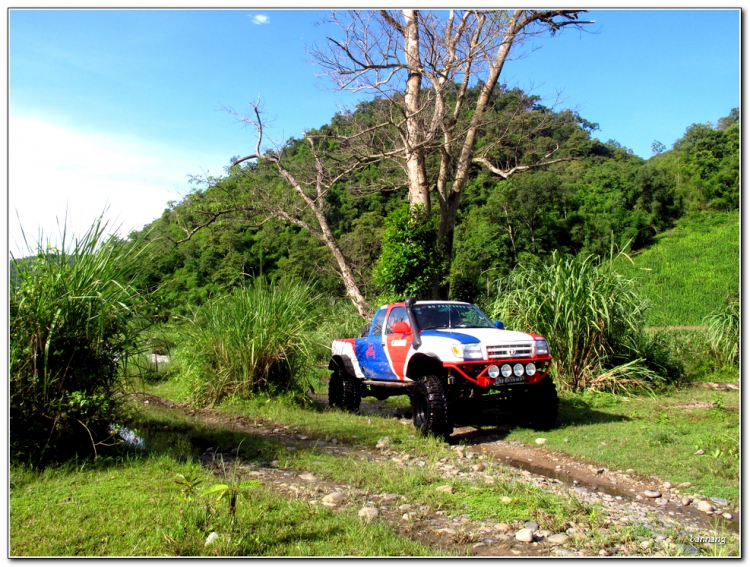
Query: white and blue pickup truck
(444, 355)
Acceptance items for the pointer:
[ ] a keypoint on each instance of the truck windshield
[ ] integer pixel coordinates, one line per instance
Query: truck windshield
(450, 316)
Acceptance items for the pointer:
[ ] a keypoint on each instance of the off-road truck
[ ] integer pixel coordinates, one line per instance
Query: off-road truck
(448, 357)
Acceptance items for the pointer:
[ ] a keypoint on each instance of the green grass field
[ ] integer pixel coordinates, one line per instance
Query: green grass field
(690, 270)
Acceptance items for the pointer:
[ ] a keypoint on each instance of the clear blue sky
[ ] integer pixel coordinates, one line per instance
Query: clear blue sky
(117, 107)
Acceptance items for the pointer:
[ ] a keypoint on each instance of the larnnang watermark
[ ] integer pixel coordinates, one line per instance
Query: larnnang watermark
(710, 539)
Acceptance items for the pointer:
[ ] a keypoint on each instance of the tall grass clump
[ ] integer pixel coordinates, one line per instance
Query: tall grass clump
(592, 317)
(74, 323)
(253, 339)
(724, 333)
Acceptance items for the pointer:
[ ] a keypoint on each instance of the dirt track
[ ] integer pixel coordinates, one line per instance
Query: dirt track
(618, 493)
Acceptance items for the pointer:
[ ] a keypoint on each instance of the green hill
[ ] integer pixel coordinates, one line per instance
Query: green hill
(690, 270)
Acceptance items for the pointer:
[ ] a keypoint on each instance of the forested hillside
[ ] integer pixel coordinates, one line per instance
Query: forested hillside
(593, 196)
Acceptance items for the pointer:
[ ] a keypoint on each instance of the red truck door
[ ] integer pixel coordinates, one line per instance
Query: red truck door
(397, 344)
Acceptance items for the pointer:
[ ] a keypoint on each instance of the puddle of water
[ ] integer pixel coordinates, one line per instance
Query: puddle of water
(128, 436)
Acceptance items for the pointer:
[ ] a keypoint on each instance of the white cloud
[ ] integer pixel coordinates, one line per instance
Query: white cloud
(260, 19)
(54, 169)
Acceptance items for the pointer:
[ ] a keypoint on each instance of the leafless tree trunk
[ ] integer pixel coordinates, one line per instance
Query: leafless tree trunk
(410, 60)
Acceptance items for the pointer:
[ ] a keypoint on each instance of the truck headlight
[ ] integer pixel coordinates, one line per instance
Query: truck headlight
(518, 369)
(493, 371)
(468, 352)
(506, 370)
(541, 347)
(530, 368)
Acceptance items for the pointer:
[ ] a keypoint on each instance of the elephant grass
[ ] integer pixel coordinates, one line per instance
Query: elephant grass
(75, 321)
(253, 339)
(591, 315)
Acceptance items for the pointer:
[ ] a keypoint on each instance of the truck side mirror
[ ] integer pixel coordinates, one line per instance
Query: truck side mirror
(499, 325)
(401, 328)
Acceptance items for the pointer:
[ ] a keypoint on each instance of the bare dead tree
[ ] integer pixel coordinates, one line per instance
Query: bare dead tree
(421, 66)
(300, 198)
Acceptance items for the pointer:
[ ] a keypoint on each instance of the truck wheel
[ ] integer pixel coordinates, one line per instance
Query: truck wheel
(343, 391)
(536, 405)
(429, 404)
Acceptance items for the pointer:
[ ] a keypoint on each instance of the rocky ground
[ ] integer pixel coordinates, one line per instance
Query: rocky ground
(668, 516)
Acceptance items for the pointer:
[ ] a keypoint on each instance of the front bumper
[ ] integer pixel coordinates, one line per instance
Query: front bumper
(476, 370)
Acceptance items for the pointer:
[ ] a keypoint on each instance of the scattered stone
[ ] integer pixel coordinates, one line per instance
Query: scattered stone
(629, 471)
(303, 437)
(334, 499)
(686, 500)
(600, 471)
(652, 493)
(533, 526)
(480, 544)
(383, 443)
(558, 539)
(658, 536)
(684, 485)
(564, 552)
(662, 501)
(449, 531)
(506, 499)
(479, 467)
(704, 506)
(308, 476)
(275, 463)
(368, 513)
(727, 515)
(719, 501)
(603, 553)
(406, 516)
(525, 535)
(687, 549)
(645, 544)
(291, 448)
(540, 441)
(566, 440)
(213, 536)
(699, 452)
(334, 441)
(445, 488)
(667, 485)
(502, 527)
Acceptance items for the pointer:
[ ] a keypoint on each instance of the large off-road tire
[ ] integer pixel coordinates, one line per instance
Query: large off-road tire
(343, 391)
(536, 405)
(430, 407)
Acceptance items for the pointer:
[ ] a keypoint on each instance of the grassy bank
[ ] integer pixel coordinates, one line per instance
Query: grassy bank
(135, 508)
(690, 270)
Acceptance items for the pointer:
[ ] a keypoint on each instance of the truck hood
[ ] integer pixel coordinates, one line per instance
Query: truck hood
(474, 335)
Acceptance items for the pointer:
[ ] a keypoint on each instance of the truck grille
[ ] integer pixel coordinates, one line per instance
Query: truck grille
(508, 351)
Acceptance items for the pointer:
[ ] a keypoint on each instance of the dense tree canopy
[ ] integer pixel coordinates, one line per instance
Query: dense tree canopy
(606, 196)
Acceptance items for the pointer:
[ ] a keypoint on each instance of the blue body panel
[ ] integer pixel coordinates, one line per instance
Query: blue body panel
(372, 359)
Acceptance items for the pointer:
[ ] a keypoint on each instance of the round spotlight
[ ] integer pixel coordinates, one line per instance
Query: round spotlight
(506, 370)
(530, 369)
(493, 371)
(518, 369)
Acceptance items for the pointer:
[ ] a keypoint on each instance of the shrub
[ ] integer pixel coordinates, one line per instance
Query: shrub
(74, 322)
(724, 333)
(592, 318)
(255, 338)
(411, 263)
